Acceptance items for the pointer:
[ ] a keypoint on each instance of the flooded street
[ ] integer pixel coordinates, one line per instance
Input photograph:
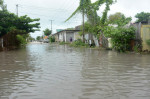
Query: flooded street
(44, 71)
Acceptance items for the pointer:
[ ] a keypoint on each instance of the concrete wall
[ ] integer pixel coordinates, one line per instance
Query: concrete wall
(69, 35)
(77, 36)
(56, 37)
(145, 35)
(138, 30)
(62, 36)
(65, 36)
(96, 41)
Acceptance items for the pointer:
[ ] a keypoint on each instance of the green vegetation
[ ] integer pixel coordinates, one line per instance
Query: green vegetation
(121, 34)
(121, 38)
(10, 21)
(47, 32)
(95, 23)
(52, 39)
(78, 43)
(148, 42)
(21, 40)
(38, 38)
(136, 48)
(113, 26)
(142, 17)
(3, 6)
(15, 28)
(63, 43)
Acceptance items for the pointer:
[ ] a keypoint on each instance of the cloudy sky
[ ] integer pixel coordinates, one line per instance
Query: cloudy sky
(59, 11)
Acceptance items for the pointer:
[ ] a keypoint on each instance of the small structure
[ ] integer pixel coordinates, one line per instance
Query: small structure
(67, 35)
(73, 34)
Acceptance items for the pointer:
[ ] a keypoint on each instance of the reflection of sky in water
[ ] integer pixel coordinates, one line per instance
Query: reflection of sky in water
(61, 72)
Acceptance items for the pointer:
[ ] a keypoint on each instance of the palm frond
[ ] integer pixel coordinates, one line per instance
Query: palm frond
(75, 12)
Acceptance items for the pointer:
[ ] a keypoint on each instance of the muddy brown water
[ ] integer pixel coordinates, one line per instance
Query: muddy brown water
(44, 71)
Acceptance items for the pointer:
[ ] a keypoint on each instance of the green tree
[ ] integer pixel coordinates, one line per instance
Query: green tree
(21, 40)
(119, 19)
(95, 23)
(47, 32)
(142, 17)
(38, 38)
(3, 6)
(9, 21)
(16, 28)
(91, 9)
(52, 39)
(121, 34)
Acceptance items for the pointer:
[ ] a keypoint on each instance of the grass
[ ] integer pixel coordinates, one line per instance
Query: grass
(78, 43)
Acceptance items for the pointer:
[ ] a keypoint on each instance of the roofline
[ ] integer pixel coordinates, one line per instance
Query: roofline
(65, 30)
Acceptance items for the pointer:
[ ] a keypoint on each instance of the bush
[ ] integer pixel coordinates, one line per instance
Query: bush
(21, 41)
(148, 42)
(52, 39)
(121, 38)
(78, 43)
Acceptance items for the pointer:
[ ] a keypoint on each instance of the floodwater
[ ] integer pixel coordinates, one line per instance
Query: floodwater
(44, 71)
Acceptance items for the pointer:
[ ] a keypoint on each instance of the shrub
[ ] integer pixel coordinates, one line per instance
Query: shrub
(21, 41)
(78, 43)
(148, 42)
(121, 37)
(52, 39)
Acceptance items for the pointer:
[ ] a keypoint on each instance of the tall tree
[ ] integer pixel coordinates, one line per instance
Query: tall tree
(9, 21)
(47, 32)
(3, 6)
(90, 9)
(38, 38)
(119, 19)
(142, 17)
(121, 35)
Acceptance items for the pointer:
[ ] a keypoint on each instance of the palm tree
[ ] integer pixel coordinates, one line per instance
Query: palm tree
(90, 10)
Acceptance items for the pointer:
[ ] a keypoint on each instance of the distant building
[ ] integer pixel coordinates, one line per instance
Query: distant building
(67, 36)
(73, 34)
(58, 30)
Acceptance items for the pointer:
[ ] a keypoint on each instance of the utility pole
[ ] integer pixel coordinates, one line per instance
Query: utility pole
(83, 20)
(17, 9)
(83, 26)
(51, 25)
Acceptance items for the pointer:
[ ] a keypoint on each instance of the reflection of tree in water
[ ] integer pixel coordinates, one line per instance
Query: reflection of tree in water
(15, 71)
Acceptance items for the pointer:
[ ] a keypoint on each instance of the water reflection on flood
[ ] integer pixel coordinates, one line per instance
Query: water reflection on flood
(43, 71)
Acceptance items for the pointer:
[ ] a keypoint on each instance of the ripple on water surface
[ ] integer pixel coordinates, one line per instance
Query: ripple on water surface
(44, 71)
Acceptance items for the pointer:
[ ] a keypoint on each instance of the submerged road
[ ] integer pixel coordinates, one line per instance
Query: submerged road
(44, 71)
